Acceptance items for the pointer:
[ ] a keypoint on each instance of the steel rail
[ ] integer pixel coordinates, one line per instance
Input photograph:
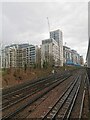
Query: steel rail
(33, 84)
(83, 97)
(52, 113)
(82, 103)
(33, 100)
(68, 103)
(72, 105)
(24, 97)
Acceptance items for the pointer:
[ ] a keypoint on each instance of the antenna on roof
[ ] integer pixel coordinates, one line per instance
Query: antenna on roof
(48, 26)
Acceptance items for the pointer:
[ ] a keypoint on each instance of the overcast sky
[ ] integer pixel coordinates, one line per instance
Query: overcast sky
(24, 22)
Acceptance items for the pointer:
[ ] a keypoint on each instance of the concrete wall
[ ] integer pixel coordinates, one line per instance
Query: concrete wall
(88, 52)
(88, 56)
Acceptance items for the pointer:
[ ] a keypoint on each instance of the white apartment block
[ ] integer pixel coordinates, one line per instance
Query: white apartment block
(9, 56)
(17, 55)
(50, 52)
(57, 36)
(32, 54)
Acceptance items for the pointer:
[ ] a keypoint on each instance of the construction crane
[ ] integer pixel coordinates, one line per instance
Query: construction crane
(48, 26)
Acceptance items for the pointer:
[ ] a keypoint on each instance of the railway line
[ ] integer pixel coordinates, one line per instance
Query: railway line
(63, 107)
(52, 84)
(64, 101)
(17, 96)
(52, 93)
(31, 84)
(55, 98)
(78, 107)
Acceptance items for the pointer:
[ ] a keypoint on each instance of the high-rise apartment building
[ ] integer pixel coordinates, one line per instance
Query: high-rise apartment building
(50, 52)
(57, 36)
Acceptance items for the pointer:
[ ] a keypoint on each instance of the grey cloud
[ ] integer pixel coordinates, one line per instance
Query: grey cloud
(26, 22)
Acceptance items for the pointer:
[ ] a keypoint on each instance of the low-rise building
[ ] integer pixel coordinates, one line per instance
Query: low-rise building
(75, 57)
(67, 58)
(71, 57)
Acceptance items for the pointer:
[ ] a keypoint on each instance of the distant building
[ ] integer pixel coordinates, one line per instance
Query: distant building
(19, 55)
(38, 56)
(71, 57)
(9, 56)
(75, 57)
(57, 36)
(34, 55)
(50, 52)
(3, 63)
(67, 58)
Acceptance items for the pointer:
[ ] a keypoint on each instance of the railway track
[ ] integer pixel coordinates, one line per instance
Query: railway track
(48, 99)
(13, 98)
(62, 108)
(63, 102)
(14, 89)
(77, 109)
(49, 87)
(86, 100)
